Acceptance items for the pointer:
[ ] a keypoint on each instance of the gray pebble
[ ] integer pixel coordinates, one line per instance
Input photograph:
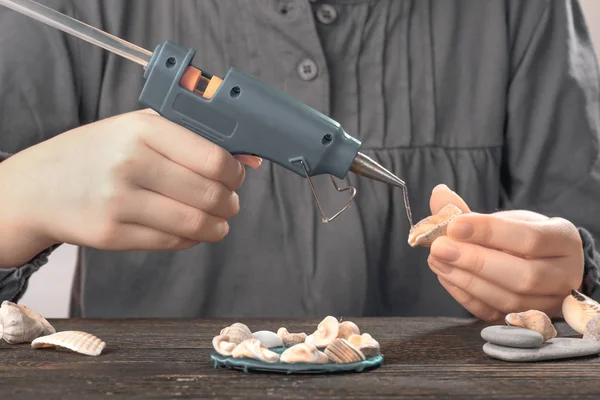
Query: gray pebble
(553, 349)
(512, 336)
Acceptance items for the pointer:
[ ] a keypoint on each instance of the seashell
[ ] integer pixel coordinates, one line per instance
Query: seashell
(578, 310)
(347, 329)
(252, 348)
(21, 324)
(222, 345)
(341, 351)
(237, 333)
(268, 338)
(304, 353)
(432, 227)
(326, 332)
(80, 342)
(366, 344)
(290, 339)
(535, 320)
(293, 339)
(592, 330)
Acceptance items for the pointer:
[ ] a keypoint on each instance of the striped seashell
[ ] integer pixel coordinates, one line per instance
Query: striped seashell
(341, 351)
(80, 342)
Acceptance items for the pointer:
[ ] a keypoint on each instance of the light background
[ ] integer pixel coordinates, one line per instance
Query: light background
(49, 288)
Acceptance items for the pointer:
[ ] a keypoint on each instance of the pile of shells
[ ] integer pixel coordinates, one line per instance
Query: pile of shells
(20, 324)
(332, 341)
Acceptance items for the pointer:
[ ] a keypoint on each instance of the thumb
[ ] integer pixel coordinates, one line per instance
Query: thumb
(442, 196)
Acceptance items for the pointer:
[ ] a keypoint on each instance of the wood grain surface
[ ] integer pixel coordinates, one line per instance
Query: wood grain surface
(425, 358)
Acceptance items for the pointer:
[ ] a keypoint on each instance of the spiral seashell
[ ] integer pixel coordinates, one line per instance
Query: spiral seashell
(303, 353)
(341, 351)
(578, 310)
(80, 342)
(253, 348)
(535, 320)
(432, 227)
(21, 324)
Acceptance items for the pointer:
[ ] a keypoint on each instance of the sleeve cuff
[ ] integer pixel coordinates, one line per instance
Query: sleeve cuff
(13, 281)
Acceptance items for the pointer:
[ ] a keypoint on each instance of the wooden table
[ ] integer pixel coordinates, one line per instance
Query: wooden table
(424, 358)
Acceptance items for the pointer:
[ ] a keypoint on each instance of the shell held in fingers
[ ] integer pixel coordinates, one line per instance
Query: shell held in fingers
(304, 353)
(578, 310)
(432, 227)
(80, 342)
(341, 351)
(21, 324)
(535, 320)
(252, 348)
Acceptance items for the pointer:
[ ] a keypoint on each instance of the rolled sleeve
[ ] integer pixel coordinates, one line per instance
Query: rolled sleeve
(14, 281)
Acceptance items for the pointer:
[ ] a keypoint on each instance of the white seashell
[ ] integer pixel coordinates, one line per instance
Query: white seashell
(578, 310)
(304, 353)
(222, 345)
(326, 332)
(21, 324)
(80, 342)
(347, 329)
(252, 348)
(268, 338)
(290, 339)
(432, 227)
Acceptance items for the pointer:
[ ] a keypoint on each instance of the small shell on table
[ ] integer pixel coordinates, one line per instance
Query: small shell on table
(432, 227)
(253, 348)
(291, 339)
(347, 329)
(592, 330)
(304, 353)
(578, 310)
(365, 343)
(534, 320)
(21, 324)
(80, 342)
(237, 333)
(341, 351)
(223, 345)
(326, 332)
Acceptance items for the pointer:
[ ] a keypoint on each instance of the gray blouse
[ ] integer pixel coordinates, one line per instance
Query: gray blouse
(498, 99)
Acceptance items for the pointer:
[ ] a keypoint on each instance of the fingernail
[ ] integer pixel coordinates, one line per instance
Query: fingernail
(445, 251)
(440, 266)
(461, 230)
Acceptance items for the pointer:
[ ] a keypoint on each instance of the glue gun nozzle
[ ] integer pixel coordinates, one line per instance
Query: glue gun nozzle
(366, 166)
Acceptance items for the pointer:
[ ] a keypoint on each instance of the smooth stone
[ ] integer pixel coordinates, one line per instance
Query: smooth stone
(553, 349)
(512, 336)
(268, 338)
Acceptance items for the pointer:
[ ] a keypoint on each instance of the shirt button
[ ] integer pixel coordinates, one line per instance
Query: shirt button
(326, 14)
(307, 69)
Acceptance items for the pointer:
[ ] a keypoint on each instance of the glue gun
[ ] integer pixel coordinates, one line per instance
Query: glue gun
(239, 113)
